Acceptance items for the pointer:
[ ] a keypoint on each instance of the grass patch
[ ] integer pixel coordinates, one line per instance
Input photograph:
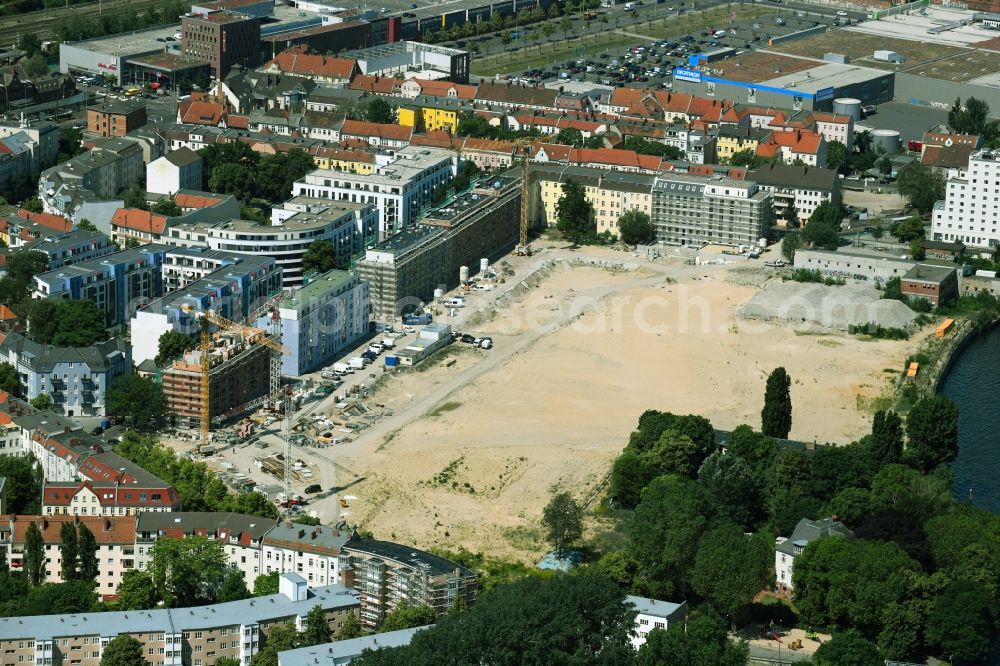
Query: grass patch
(560, 50)
(449, 406)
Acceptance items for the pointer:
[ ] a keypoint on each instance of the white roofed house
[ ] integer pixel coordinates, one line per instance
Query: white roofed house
(653, 614)
(177, 170)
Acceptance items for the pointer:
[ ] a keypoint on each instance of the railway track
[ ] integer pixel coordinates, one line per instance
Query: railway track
(44, 23)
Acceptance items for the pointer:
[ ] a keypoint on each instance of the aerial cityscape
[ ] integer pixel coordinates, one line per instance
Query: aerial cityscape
(548, 332)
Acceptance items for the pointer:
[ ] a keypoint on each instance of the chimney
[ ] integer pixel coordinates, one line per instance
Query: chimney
(302, 533)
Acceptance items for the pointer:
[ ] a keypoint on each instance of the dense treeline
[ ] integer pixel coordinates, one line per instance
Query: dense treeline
(79, 27)
(198, 486)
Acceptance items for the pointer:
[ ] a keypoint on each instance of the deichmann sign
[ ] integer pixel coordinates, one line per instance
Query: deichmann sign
(824, 94)
(682, 74)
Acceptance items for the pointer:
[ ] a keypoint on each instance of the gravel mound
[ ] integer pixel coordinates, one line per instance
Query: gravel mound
(817, 307)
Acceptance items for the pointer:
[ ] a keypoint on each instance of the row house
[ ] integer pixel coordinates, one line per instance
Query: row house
(317, 67)
(377, 135)
(803, 146)
(509, 95)
(414, 88)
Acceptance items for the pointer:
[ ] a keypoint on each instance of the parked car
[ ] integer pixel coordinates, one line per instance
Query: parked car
(313, 488)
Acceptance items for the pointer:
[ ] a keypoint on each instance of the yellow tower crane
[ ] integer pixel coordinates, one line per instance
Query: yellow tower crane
(523, 249)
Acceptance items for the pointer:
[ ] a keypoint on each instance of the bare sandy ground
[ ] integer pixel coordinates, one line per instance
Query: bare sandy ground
(477, 469)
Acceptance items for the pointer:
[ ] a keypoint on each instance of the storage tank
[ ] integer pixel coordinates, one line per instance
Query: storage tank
(888, 139)
(848, 106)
(438, 294)
(463, 274)
(484, 265)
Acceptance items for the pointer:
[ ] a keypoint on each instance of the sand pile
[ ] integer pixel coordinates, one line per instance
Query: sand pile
(817, 307)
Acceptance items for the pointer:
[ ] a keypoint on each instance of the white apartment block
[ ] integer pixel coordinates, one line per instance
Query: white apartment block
(970, 212)
(398, 189)
(653, 614)
(311, 552)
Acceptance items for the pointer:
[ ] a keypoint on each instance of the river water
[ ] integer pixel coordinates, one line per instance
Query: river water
(974, 384)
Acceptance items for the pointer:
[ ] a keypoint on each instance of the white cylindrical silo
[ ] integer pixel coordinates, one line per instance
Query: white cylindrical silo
(438, 294)
(888, 140)
(484, 265)
(463, 274)
(848, 106)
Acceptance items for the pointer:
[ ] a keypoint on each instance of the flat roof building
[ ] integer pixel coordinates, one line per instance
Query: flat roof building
(111, 55)
(116, 118)
(697, 210)
(340, 653)
(223, 38)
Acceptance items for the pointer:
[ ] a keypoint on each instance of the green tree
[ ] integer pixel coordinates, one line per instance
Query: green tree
(30, 43)
(218, 154)
(469, 124)
(570, 136)
(731, 568)
(574, 214)
(279, 638)
(932, 433)
(136, 591)
(75, 596)
(755, 449)
(187, 572)
(791, 215)
(234, 179)
(921, 185)
(68, 551)
(635, 228)
(228, 661)
(137, 400)
(35, 66)
(746, 158)
(849, 648)
(910, 229)
(838, 157)
(732, 489)
(674, 453)
(10, 381)
(579, 619)
(789, 244)
(66, 322)
(276, 173)
(962, 622)
(917, 251)
(23, 485)
(34, 554)
(884, 165)
(885, 446)
(266, 584)
(663, 535)
(233, 588)
(33, 205)
(87, 554)
(42, 402)
(321, 256)
(86, 225)
(973, 118)
(135, 197)
(167, 206)
(350, 628)
(70, 143)
(171, 345)
(123, 650)
(562, 519)
(823, 228)
(701, 641)
(405, 616)
(629, 475)
(776, 416)
(380, 111)
(645, 146)
(317, 629)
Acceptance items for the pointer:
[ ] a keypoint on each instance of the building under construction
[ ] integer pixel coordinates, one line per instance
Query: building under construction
(407, 267)
(239, 373)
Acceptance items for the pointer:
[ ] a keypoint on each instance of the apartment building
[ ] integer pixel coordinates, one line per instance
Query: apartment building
(802, 187)
(970, 212)
(92, 177)
(340, 653)
(805, 146)
(142, 226)
(407, 267)
(241, 537)
(178, 636)
(695, 210)
(25, 226)
(653, 614)
(42, 141)
(71, 247)
(223, 38)
(348, 224)
(237, 286)
(399, 188)
(76, 378)
(611, 193)
(116, 118)
(119, 283)
(326, 315)
(105, 485)
(388, 574)
(239, 372)
(312, 552)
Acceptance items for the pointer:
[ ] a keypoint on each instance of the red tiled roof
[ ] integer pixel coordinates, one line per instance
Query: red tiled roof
(237, 121)
(106, 529)
(799, 141)
(438, 88)
(942, 139)
(140, 220)
(192, 201)
(6, 313)
(382, 130)
(200, 113)
(488, 145)
(380, 85)
(437, 139)
(56, 222)
(125, 495)
(296, 61)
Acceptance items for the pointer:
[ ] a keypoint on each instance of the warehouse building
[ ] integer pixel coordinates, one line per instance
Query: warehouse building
(403, 57)
(111, 55)
(407, 267)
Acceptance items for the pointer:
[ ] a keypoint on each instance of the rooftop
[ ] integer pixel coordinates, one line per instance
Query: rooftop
(824, 76)
(433, 564)
(87, 268)
(170, 62)
(807, 531)
(318, 287)
(136, 43)
(219, 17)
(929, 274)
(653, 607)
(320, 655)
(189, 522)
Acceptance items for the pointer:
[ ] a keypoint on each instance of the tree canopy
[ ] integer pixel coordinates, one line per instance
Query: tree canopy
(921, 185)
(635, 228)
(137, 400)
(171, 345)
(932, 432)
(66, 322)
(123, 650)
(574, 214)
(187, 572)
(563, 521)
(823, 229)
(776, 416)
(320, 256)
(973, 118)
